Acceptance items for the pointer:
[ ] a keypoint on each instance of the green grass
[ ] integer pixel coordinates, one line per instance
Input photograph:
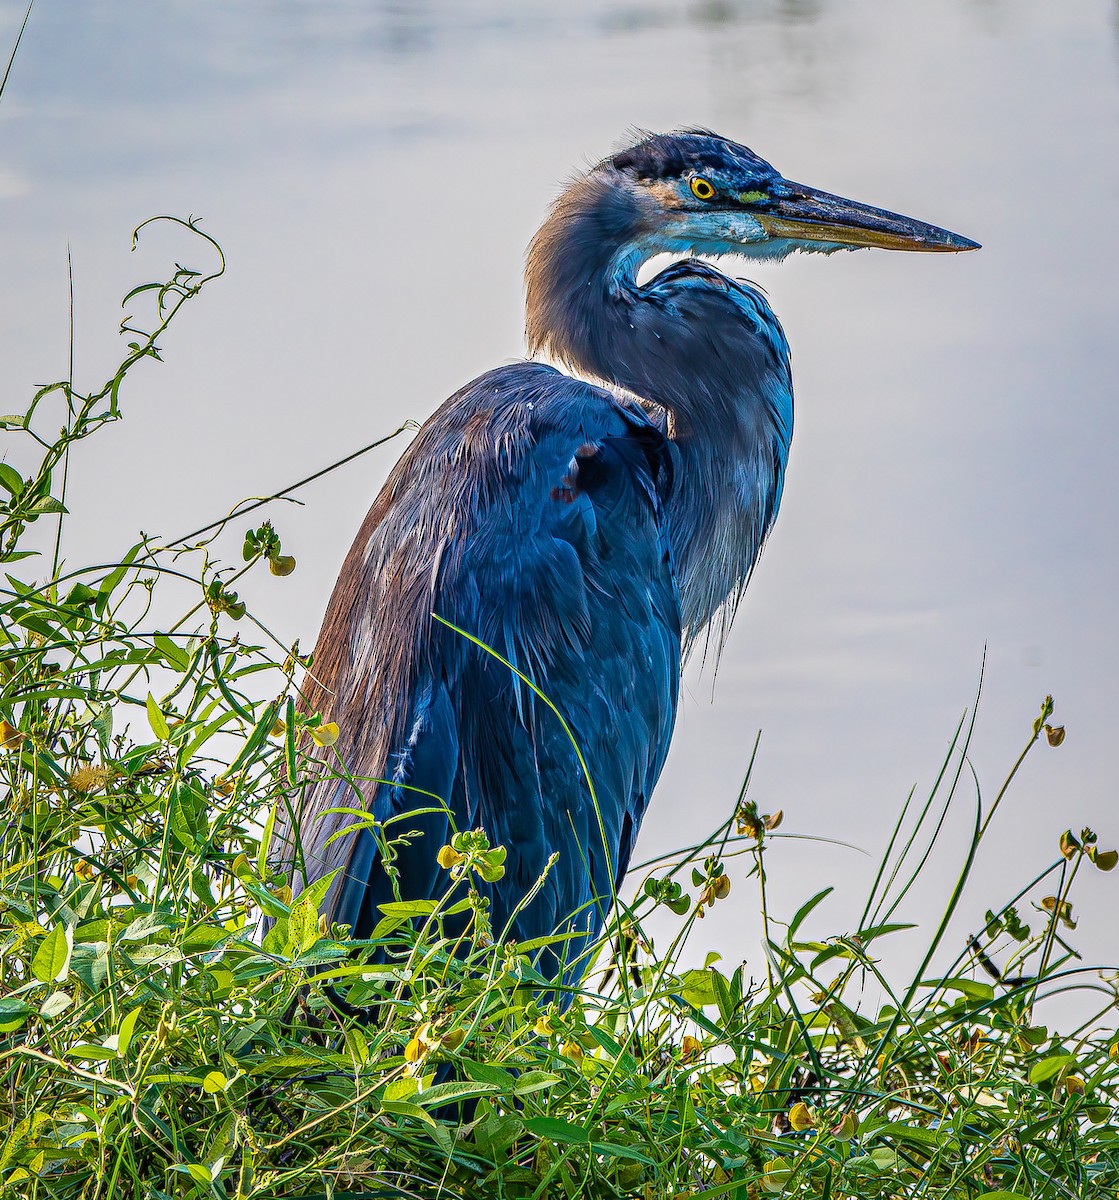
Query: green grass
(152, 1045)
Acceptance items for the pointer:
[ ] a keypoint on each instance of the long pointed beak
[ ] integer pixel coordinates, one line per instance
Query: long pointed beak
(803, 213)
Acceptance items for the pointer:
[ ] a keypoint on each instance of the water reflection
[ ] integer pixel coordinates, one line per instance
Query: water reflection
(776, 53)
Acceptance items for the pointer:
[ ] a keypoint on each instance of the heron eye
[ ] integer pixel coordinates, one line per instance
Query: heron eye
(701, 188)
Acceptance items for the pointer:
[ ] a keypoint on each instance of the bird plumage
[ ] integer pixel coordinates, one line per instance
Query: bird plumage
(529, 512)
(588, 535)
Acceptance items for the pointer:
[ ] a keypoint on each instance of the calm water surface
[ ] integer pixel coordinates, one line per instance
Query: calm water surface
(374, 171)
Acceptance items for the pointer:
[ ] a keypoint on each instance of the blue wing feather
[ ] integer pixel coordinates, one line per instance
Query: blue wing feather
(529, 512)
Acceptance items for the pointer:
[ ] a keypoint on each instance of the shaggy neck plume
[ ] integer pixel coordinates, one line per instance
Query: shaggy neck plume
(705, 356)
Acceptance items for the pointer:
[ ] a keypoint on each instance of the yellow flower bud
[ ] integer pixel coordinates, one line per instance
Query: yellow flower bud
(10, 736)
(847, 1127)
(800, 1117)
(775, 1175)
(325, 735)
(449, 857)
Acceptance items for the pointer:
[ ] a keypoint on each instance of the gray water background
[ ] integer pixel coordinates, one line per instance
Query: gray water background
(374, 171)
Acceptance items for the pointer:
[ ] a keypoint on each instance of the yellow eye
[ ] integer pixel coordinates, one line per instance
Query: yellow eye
(702, 189)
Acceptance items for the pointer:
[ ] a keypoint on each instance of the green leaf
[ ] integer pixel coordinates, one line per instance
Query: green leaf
(10, 479)
(203, 736)
(627, 1064)
(290, 765)
(724, 997)
(969, 987)
(806, 908)
(614, 1150)
(402, 1088)
(48, 504)
(126, 1030)
(557, 1130)
(408, 908)
(202, 938)
(260, 730)
(196, 1171)
(90, 964)
(877, 931)
(402, 1108)
(278, 1063)
(303, 925)
(155, 955)
(1106, 860)
(487, 1073)
(324, 951)
(315, 892)
(52, 959)
(80, 596)
(91, 1052)
(49, 694)
(534, 1081)
(269, 904)
(102, 725)
(157, 720)
(55, 1004)
(113, 580)
(448, 1093)
(145, 927)
(213, 1082)
(266, 841)
(915, 1135)
(13, 1013)
(36, 625)
(698, 988)
(183, 818)
(1048, 1067)
(172, 653)
(275, 941)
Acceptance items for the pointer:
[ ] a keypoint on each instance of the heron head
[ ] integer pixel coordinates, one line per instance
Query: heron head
(700, 193)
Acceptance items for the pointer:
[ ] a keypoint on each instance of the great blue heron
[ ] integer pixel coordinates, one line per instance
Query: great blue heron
(587, 527)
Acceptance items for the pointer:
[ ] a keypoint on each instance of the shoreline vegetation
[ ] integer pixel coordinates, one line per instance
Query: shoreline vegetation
(154, 1045)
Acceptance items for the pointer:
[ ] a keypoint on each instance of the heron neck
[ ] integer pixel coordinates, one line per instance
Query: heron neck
(707, 359)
